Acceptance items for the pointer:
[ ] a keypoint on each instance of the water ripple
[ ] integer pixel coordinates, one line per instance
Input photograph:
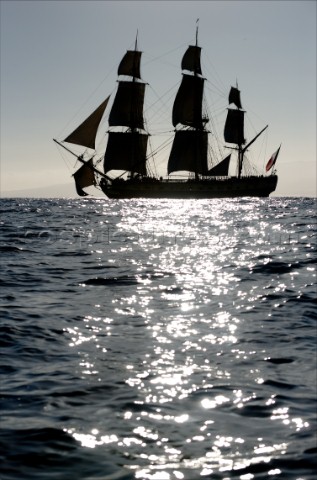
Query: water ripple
(158, 339)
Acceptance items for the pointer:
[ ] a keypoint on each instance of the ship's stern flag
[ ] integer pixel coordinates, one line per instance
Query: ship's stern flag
(272, 160)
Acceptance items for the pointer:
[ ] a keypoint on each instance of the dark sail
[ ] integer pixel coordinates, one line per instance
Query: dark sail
(189, 152)
(126, 151)
(234, 127)
(191, 60)
(187, 108)
(84, 177)
(123, 172)
(220, 170)
(85, 134)
(234, 97)
(127, 108)
(130, 64)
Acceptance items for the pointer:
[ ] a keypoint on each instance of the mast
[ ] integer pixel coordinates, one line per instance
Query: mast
(189, 150)
(133, 130)
(195, 73)
(234, 126)
(126, 148)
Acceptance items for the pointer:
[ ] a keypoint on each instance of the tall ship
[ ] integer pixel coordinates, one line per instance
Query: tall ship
(191, 167)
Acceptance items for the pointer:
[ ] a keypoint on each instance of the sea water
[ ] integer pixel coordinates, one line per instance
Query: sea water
(158, 339)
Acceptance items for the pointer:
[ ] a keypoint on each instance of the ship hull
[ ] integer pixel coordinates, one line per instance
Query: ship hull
(226, 188)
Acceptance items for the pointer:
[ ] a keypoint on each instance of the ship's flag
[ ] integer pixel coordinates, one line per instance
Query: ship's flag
(272, 160)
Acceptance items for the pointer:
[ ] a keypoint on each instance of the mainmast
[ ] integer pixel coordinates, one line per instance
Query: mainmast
(189, 150)
(126, 148)
(234, 126)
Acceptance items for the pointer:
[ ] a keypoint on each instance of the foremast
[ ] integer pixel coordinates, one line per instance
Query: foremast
(189, 149)
(127, 141)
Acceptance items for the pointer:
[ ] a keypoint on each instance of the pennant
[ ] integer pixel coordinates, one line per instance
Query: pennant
(272, 160)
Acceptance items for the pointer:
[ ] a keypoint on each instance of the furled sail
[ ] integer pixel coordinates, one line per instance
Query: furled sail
(84, 177)
(234, 97)
(234, 127)
(191, 59)
(85, 134)
(220, 170)
(126, 151)
(130, 64)
(187, 108)
(189, 152)
(127, 108)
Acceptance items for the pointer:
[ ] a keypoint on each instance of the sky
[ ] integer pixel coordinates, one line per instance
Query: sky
(59, 59)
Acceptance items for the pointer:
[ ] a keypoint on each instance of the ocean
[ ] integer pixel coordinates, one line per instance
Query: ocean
(158, 339)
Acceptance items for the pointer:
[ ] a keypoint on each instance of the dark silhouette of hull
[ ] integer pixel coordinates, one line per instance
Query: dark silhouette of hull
(216, 188)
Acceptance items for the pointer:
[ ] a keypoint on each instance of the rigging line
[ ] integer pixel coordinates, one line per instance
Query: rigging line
(220, 92)
(160, 98)
(255, 114)
(164, 132)
(79, 110)
(165, 143)
(250, 123)
(159, 163)
(155, 59)
(61, 152)
(213, 72)
(151, 157)
(90, 96)
(263, 151)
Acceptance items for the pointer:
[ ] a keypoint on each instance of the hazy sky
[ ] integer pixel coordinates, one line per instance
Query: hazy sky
(61, 56)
